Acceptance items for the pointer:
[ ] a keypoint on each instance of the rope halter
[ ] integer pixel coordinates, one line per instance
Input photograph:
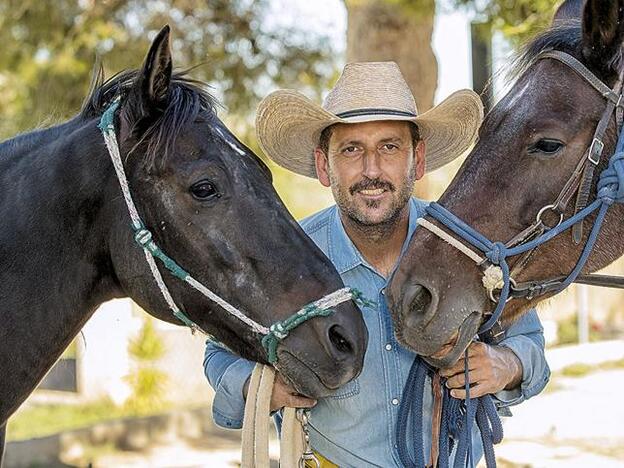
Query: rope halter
(272, 335)
(610, 189)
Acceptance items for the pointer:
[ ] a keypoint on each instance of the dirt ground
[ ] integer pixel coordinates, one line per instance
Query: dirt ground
(576, 422)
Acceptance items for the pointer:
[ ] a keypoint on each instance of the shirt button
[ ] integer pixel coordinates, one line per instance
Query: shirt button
(388, 347)
(395, 401)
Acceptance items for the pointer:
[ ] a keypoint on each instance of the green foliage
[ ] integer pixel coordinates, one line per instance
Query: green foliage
(576, 370)
(49, 50)
(147, 346)
(148, 390)
(518, 20)
(581, 370)
(148, 384)
(43, 420)
(567, 331)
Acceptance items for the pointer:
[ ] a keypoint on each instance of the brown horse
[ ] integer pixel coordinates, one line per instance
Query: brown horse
(530, 144)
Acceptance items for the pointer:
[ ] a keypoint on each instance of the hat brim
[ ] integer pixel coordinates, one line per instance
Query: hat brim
(289, 125)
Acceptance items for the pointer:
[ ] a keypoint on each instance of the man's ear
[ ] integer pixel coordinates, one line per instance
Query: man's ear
(419, 159)
(322, 167)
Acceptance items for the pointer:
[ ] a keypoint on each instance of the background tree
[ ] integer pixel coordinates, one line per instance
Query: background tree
(401, 31)
(49, 48)
(518, 20)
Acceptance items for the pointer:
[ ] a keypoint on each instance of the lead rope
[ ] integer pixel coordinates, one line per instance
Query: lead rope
(295, 448)
(610, 190)
(143, 237)
(458, 419)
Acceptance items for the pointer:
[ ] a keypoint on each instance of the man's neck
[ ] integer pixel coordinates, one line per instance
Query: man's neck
(379, 244)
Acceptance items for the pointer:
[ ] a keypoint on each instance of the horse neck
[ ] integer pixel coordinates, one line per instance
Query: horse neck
(54, 265)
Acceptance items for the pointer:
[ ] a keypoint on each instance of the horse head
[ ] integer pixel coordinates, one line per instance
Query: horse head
(529, 146)
(209, 204)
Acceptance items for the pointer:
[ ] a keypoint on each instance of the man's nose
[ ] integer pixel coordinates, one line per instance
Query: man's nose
(372, 165)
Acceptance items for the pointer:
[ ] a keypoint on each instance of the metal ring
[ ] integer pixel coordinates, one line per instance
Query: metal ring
(512, 282)
(538, 218)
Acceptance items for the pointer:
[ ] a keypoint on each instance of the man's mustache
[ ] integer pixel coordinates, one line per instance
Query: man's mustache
(371, 184)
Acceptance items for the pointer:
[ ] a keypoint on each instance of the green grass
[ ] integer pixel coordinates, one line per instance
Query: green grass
(43, 420)
(581, 370)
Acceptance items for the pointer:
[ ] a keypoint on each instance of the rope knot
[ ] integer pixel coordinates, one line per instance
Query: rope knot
(278, 330)
(497, 253)
(611, 182)
(143, 237)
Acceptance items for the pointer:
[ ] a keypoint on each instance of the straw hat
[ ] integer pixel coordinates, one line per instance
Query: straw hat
(289, 125)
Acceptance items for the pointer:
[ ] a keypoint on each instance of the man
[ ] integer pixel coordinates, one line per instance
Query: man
(369, 145)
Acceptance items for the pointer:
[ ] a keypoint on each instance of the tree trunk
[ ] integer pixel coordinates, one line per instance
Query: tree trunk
(401, 31)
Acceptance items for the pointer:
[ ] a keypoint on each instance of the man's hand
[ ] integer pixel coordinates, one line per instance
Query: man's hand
(491, 369)
(284, 395)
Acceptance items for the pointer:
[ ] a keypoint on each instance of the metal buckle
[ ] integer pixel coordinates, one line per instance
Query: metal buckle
(595, 151)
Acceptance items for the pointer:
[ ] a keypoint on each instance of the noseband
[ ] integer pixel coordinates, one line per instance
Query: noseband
(497, 276)
(272, 335)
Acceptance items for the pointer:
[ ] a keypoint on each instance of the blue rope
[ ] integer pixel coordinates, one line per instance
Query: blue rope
(610, 190)
(411, 405)
(458, 419)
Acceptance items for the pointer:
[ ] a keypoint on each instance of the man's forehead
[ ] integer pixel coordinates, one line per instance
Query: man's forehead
(366, 131)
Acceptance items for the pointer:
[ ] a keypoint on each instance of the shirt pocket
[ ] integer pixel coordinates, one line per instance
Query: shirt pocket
(347, 391)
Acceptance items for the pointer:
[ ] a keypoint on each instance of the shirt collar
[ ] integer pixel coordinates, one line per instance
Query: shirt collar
(343, 253)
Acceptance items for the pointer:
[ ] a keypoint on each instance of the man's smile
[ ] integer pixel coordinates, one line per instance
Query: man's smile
(373, 194)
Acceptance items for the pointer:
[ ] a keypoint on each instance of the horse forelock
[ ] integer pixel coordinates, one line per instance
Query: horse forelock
(187, 99)
(564, 35)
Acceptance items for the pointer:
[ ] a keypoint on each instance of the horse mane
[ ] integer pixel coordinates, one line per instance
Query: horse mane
(565, 35)
(186, 100)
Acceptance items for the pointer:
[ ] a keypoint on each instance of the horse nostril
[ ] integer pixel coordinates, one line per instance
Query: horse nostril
(417, 301)
(338, 339)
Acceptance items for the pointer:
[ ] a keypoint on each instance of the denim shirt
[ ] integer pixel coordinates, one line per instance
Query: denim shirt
(355, 427)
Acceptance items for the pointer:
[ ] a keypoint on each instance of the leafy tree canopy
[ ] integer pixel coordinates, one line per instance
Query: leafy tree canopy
(518, 20)
(49, 50)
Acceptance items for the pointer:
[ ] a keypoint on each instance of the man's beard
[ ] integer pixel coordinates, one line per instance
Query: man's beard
(378, 228)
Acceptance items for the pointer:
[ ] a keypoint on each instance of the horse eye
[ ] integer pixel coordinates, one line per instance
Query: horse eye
(546, 146)
(204, 190)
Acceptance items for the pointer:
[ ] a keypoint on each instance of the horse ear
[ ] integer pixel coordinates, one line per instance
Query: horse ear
(569, 10)
(155, 75)
(603, 32)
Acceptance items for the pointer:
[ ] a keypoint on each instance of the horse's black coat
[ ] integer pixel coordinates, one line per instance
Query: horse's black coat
(66, 243)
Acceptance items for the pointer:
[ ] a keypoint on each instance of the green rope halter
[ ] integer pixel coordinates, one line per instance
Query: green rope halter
(280, 330)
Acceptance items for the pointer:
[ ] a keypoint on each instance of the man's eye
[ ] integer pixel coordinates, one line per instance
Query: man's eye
(390, 147)
(350, 150)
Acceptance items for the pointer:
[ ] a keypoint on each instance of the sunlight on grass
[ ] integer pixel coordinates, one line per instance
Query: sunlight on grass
(40, 421)
(581, 370)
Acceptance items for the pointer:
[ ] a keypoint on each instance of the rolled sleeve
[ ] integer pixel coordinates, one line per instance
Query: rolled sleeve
(525, 338)
(227, 374)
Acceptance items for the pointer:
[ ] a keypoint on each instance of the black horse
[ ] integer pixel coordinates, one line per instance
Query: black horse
(66, 243)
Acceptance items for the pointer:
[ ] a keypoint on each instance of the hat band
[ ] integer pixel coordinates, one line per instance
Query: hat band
(374, 111)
